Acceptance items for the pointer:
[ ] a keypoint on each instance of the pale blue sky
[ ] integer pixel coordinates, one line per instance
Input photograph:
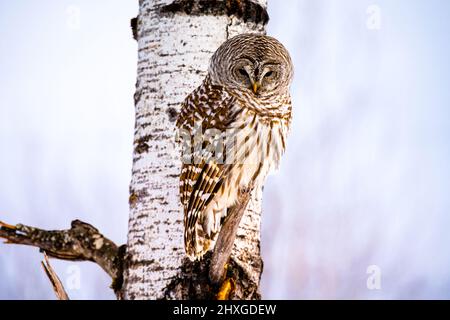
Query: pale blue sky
(364, 181)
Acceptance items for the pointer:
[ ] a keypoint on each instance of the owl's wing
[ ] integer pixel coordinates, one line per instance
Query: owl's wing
(203, 121)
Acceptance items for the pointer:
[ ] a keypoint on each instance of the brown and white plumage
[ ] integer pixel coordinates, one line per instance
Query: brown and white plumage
(234, 129)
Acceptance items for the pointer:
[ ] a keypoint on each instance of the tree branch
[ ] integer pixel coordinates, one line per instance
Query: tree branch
(61, 294)
(82, 242)
(225, 239)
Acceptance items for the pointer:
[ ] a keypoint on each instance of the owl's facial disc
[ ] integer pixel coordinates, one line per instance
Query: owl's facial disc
(244, 74)
(266, 76)
(256, 77)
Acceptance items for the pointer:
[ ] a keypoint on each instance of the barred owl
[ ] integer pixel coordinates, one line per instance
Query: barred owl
(233, 128)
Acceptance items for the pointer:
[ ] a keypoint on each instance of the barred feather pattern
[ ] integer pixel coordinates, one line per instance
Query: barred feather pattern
(230, 139)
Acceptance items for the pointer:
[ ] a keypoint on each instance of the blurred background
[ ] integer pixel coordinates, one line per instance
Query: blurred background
(359, 208)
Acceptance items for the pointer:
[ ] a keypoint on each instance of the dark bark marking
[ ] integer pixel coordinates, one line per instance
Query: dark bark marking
(134, 27)
(173, 114)
(245, 10)
(141, 145)
(193, 283)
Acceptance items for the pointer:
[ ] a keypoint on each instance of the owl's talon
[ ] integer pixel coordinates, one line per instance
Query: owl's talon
(227, 287)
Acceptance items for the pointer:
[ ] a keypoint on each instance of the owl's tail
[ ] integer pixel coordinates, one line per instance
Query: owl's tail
(202, 236)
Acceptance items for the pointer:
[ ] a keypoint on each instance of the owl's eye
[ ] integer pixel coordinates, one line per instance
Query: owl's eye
(268, 74)
(242, 72)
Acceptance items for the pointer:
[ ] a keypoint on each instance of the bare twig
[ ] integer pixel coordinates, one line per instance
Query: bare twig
(225, 240)
(61, 294)
(82, 242)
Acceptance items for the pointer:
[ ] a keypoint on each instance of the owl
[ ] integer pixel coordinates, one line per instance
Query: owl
(233, 129)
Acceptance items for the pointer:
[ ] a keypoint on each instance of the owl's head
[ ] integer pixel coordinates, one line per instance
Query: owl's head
(257, 64)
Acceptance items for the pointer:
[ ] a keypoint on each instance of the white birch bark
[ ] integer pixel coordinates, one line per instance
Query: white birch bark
(173, 56)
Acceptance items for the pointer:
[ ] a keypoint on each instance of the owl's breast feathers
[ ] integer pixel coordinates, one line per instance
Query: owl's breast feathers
(229, 141)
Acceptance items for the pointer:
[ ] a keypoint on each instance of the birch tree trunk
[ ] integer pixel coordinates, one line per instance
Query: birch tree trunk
(175, 43)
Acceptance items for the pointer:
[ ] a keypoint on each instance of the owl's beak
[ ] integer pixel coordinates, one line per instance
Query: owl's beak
(255, 86)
